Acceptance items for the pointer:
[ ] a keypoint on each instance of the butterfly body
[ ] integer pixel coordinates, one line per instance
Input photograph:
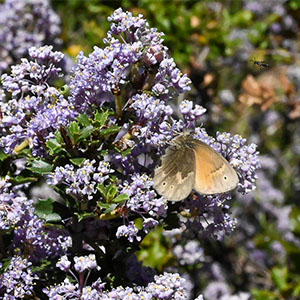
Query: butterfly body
(191, 164)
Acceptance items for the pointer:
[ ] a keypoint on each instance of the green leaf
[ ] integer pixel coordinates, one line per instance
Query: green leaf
(40, 167)
(58, 137)
(138, 223)
(53, 146)
(44, 210)
(109, 207)
(153, 251)
(102, 189)
(3, 156)
(43, 264)
(85, 215)
(121, 198)
(101, 117)
(264, 295)
(84, 120)
(21, 179)
(78, 161)
(74, 131)
(280, 277)
(111, 130)
(85, 132)
(111, 193)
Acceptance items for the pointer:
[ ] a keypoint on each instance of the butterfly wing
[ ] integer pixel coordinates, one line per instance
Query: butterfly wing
(213, 173)
(174, 178)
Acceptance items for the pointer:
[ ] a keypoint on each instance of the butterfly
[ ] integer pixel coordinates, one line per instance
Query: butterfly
(191, 164)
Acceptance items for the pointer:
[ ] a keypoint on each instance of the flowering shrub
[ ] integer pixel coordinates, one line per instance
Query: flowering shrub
(96, 142)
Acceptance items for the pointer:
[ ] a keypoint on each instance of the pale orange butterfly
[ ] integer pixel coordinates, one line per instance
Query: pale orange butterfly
(191, 164)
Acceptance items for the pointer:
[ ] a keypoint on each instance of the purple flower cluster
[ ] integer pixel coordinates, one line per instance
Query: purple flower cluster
(189, 254)
(191, 115)
(133, 48)
(81, 182)
(164, 287)
(135, 57)
(277, 7)
(36, 109)
(143, 201)
(18, 280)
(32, 236)
(13, 204)
(219, 290)
(24, 24)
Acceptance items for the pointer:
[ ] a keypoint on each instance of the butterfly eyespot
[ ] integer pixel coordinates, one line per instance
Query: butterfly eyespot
(225, 177)
(164, 183)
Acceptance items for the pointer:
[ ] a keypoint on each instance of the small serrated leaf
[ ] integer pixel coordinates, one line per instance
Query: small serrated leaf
(53, 146)
(109, 207)
(74, 131)
(78, 161)
(84, 120)
(85, 215)
(40, 167)
(121, 198)
(3, 156)
(58, 136)
(101, 117)
(111, 192)
(21, 179)
(102, 189)
(111, 130)
(44, 210)
(85, 132)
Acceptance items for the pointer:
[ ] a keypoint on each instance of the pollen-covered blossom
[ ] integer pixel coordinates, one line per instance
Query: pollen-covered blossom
(35, 109)
(65, 289)
(152, 126)
(143, 199)
(168, 286)
(129, 231)
(83, 263)
(190, 114)
(63, 263)
(17, 281)
(24, 24)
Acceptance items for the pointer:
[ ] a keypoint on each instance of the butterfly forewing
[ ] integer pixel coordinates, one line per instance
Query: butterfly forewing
(174, 179)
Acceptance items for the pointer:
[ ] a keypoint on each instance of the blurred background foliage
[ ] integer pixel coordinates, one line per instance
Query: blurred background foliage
(243, 60)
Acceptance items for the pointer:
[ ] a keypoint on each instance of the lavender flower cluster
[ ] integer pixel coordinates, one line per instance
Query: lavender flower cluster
(36, 109)
(165, 286)
(18, 280)
(24, 24)
(13, 204)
